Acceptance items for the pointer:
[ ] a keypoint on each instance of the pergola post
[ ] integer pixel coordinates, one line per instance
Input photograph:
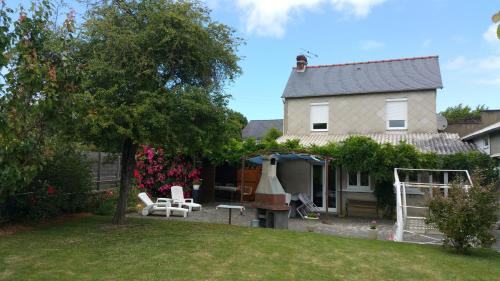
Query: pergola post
(327, 161)
(243, 160)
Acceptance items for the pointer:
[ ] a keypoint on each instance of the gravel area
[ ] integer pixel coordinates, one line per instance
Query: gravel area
(347, 227)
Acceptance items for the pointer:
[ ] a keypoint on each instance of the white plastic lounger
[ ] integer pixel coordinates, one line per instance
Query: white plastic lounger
(161, 205)
(178, 198)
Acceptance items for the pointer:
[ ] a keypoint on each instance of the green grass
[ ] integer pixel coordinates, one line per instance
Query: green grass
(92, 249)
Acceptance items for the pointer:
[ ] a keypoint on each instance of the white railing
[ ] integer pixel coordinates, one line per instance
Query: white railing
(398, 235)
(401, 189)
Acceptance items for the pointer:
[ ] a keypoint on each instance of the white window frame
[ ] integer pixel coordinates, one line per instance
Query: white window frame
(387, 121)
(327, 119)
(486, 142)
(358, 187)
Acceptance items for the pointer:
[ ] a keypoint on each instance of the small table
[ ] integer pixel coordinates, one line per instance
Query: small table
(231, 207)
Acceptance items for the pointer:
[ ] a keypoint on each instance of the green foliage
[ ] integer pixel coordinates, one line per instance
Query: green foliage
(496, 18)
(33, 102)
(104, 202)
(465, 217)
(272, 135)
(156, 81)
(463, 113)
(61, 186)
(358, 153)
(474, 162)
(154, 73)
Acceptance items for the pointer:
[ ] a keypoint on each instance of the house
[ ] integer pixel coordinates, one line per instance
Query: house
(258, 128)
(466, 127)
(486, 139)
(389, 101)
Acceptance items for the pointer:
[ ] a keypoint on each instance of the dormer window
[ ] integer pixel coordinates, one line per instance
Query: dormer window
(397, 114)
(319, 117)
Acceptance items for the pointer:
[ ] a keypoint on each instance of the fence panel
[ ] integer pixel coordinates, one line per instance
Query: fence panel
(105, 169)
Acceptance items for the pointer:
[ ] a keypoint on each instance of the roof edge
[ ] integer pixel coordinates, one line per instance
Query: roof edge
(374, 61)
(359, 93)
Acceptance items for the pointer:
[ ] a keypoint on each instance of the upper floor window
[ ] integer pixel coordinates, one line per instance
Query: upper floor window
(396, 114)
(319, 117)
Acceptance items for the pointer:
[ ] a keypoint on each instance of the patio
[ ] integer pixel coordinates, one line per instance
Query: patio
(346, 227)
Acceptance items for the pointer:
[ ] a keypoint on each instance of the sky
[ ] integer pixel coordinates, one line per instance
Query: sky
(460, 32)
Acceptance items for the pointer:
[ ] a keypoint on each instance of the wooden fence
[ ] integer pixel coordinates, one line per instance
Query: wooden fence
(105, 169)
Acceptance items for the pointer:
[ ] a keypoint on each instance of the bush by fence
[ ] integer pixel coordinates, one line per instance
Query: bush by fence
(62, 186)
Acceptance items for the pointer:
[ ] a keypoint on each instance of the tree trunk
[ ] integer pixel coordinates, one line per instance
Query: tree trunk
(127, 166)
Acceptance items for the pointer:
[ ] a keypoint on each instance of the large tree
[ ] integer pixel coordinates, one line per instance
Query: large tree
(154, 72)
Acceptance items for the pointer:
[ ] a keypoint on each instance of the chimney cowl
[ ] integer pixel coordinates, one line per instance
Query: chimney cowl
(301, 63)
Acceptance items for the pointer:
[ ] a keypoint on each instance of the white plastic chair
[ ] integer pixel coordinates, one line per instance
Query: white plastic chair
(307, 206)
(178, 198)
(161, 205)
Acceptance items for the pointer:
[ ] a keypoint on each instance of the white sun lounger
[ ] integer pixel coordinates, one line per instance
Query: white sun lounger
(178, 198)
(161, 205)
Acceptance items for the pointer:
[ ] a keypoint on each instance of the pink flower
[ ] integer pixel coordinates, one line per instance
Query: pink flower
(50, 189)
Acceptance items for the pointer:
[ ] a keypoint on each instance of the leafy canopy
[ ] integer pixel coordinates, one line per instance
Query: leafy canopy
(463, 113)
(154, 73)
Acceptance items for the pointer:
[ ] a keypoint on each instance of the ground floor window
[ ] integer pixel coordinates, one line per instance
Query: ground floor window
(358, 181)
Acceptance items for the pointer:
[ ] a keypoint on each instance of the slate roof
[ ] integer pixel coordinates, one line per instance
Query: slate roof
(489, 129)
(258, 128)
(408, 74)
(439, 143)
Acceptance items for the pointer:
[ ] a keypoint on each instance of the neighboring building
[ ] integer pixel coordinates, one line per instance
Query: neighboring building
(466, 127)
(486, 139)
(258, 128)
(389, 101)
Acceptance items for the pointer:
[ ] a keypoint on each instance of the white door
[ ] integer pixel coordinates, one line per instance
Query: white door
(318, 188)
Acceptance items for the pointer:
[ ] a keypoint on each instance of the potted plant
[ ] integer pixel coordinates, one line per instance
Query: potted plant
(373, 231)
(312, 216)
(196, 184)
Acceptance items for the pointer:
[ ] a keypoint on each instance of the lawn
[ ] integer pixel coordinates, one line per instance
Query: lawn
(90, 248)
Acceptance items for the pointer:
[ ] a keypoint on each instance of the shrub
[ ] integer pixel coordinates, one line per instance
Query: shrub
(61, 186)
(465, 217)
(104, 202)
(156, 172)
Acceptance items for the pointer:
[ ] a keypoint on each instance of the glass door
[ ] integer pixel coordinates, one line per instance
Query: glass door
(332, 189)
(317, 185)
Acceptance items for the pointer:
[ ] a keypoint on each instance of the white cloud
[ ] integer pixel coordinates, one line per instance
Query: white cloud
(474, 65)
(484, 71)
(489, 63)
(427, 43)
(359, 8)
(495, 81)
(371, 45)
(269, 18)
(490, 35)
(456, 63)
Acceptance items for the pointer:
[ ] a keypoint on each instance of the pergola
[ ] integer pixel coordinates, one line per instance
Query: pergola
(256, 158)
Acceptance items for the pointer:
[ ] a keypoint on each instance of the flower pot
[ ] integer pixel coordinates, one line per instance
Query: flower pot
(372, 234)
(196, 186)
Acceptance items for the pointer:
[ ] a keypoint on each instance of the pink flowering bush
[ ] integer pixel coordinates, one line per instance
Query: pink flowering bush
(156, 172)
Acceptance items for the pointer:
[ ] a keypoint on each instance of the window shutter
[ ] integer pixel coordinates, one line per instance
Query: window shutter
(396, 112)
(319, 114)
